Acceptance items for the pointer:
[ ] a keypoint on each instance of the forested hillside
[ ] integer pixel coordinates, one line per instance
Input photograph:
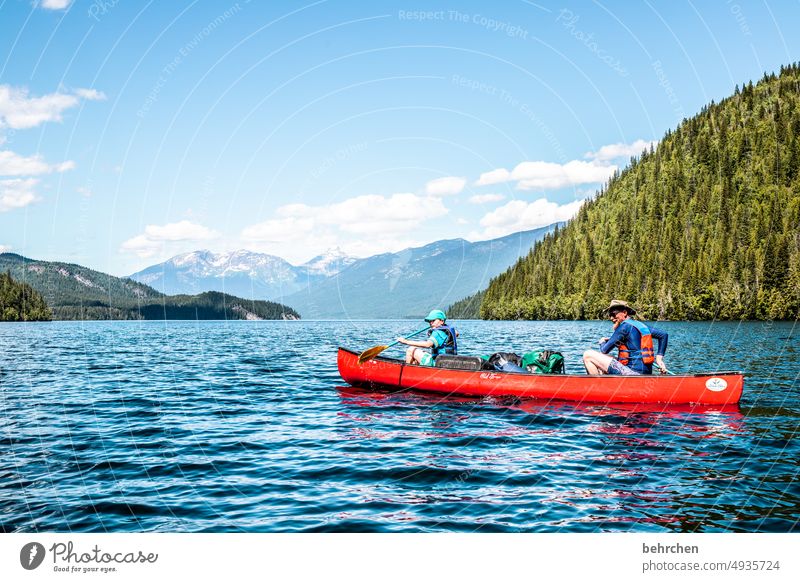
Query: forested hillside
(467, 308)
(214, 305)
(75, 292)
(21, 302)
(706, 225)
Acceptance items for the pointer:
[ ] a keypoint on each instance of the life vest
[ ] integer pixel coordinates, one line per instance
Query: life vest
(450, 346)
(623, 354)
(645, 353)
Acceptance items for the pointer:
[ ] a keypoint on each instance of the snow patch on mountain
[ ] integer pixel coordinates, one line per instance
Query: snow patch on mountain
(329, 263)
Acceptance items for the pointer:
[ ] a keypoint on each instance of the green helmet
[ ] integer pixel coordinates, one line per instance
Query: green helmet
(436, 314)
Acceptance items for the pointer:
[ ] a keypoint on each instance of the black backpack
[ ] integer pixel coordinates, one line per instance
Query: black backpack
(504, 362)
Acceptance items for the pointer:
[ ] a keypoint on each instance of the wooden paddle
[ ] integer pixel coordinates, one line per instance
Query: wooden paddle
(369, 354)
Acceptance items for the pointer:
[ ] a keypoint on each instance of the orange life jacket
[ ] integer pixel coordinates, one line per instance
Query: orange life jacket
(623, 354)
(645, 353)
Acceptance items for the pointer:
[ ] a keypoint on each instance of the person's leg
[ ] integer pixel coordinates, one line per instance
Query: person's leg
(596, 363)
(410, 354)
(416, 356)
(621, 370)
(425, 359)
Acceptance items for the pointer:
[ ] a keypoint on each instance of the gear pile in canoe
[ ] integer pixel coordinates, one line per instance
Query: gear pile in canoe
(711, 388)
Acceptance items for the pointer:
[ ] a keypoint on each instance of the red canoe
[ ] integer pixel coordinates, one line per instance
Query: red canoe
(716, 388)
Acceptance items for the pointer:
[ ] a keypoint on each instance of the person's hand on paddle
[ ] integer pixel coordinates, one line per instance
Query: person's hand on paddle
(373, 352)
(662, 367)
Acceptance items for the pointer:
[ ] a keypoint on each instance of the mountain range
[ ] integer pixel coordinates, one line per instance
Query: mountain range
(335, 286)
(241, 273)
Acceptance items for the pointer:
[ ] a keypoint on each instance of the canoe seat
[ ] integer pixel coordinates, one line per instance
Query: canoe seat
(458, 362)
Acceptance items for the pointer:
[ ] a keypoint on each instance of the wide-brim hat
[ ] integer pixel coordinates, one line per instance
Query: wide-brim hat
(617, 304)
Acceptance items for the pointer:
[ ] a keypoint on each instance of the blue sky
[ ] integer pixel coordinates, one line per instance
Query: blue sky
(133, 131)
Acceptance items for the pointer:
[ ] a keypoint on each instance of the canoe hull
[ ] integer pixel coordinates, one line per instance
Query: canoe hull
(717, 388)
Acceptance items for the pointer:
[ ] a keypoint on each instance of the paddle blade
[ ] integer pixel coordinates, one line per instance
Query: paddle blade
(367, 355)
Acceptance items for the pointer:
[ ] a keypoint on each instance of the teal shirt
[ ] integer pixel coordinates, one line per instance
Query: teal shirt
(438, 338)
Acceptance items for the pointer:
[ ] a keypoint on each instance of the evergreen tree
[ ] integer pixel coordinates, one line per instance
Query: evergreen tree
(705, 225)
(20, 302)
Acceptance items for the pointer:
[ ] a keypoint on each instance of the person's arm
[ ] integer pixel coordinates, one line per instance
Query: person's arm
(618, 335)
(663, 339)
(436, 339)
(416, 344)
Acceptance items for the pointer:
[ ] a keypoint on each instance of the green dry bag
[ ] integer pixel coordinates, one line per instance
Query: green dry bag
(544, 362)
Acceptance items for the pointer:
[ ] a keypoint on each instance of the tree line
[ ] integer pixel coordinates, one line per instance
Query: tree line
(704, 226)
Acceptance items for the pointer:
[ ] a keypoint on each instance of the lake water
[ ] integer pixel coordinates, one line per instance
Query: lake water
(246, 426)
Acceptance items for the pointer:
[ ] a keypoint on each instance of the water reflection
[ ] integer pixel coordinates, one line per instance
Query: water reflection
(591, 467)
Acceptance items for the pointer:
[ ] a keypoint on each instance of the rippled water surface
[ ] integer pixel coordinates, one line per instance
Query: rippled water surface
(246, 426)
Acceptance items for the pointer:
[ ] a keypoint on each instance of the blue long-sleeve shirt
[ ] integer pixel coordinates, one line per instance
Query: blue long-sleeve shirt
(627, 334)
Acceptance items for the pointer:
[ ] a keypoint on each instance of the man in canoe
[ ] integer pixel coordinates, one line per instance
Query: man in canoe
(633, 339)
(441, 340)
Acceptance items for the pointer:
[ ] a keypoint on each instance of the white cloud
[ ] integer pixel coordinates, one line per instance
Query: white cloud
(540, 175)
(279, 230)
(158, 238)
(368, 214)
(619, 150)
(486, 198)
(177, 231)
(446, 186)
(17, 193)
(142, 246)
(373, 214)
(519, 215)
(494, 177)
(91, 94)
(548, 175)
(5, 248)
(56, 4)
(18, 110)
(362, 226)
(12, 164)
